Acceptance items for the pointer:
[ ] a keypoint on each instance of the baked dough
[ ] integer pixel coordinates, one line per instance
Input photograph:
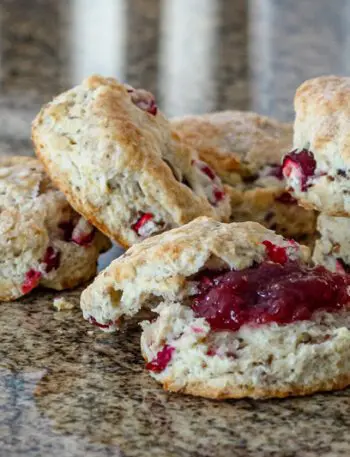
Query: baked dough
(322, 113)
(111, 152)
(267, 360)
(42, 240)
(246, 151)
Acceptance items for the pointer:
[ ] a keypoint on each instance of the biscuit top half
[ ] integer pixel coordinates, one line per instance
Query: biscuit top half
(110, 150)
(322, 122)
(160, 268)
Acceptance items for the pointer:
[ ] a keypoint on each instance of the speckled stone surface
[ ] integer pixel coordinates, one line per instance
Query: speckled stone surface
(66, 389)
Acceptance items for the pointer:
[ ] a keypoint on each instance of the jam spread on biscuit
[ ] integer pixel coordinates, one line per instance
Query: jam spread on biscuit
(300, 164)
(277, 290)
(160, 362)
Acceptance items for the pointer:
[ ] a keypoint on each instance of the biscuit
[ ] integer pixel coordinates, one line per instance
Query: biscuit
(43, 242)
(236, 144)
(332, 249)
(259, 362)
(110, 150)
(209, 347)
(246, 151)
(317, 169)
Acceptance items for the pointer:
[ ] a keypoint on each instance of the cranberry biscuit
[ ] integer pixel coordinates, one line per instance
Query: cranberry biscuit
(246, 150)
(240, 313)
(110, 150)
(43, 242)
(237, 144)
(317, 170)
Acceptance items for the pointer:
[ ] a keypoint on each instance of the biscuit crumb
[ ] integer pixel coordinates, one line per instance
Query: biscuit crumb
(61, 304)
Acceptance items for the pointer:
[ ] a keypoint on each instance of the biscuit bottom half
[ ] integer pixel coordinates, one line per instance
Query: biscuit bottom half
(275, 329)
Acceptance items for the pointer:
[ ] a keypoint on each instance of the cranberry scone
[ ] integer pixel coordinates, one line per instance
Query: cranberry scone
(317, 169)
(332, 249)
(111, 151)
(246, 150)
(240, 312)
(43, 241)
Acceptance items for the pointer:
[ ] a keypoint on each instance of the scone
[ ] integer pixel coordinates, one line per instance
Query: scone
(240, 313)
(332, 249)
(246, 151)
(111, 152)
(43, 241)
(237, 144)
(317, 169)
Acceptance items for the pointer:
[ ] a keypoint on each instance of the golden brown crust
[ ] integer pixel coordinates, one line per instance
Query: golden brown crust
(115, 161)
(200, 389)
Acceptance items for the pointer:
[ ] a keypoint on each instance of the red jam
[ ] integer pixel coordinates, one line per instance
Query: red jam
(141, 221)
(268, 292)
(302, 164)
(160, 362)
(286, 199)
(51, 259)
(31, 281)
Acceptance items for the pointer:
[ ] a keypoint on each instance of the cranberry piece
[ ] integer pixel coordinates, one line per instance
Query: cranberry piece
(93, 321)
(275, 253)
(160, 362)
(31, 281)
(286, 198)
(83, 233)
(67, 227)
(300, 163)
(269, 292)
(208, 171)
(141, 221)
(218, 194)
(276, 171)
(143, 100)
(51, 259)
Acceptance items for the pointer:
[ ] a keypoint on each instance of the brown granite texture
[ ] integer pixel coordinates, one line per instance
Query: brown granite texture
(66, 389)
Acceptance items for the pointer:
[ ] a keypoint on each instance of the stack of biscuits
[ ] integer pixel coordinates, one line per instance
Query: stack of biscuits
(211, 224)
(317, 168)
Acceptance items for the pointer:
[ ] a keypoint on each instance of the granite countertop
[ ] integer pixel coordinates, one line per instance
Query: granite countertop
(67, 389)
